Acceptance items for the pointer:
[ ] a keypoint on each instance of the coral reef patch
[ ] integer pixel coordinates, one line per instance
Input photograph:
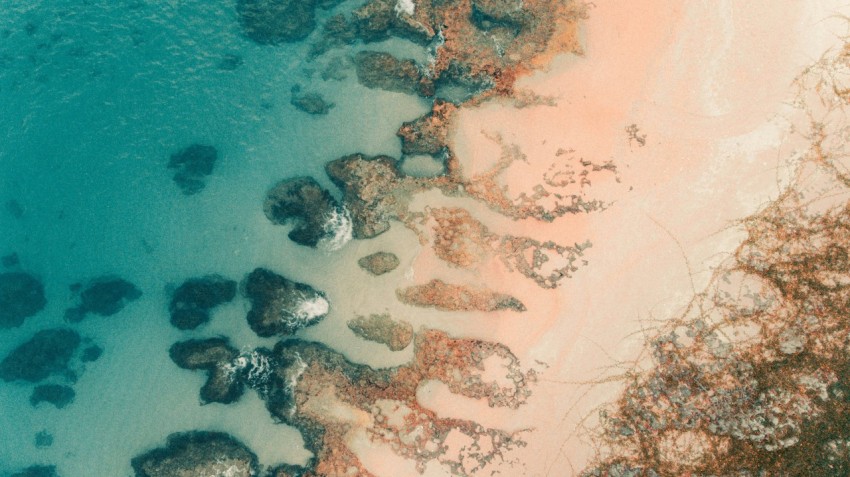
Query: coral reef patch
(103, 296)
(46, 353)
(193, 164)
(56, 394)
(21, 296)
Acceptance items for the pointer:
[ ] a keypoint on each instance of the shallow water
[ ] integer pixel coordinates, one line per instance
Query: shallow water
(96, 95)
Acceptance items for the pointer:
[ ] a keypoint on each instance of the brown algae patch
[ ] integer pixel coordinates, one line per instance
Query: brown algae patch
(451, 297)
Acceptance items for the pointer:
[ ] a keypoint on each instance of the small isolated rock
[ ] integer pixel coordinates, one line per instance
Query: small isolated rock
(192, 301)
(312, 103)
(193, 164)
(230, 62)
(280, 306)
(196, 454)
(104, 296)
(396, 335)
(56, 394)
(449, 297)
(47, 352)
(379, 263)
(91, 354)
(43, 439)
(21, 296)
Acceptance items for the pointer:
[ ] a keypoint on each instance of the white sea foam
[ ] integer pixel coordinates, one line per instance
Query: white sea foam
(312, 309)
(338, 229)
(405, 6)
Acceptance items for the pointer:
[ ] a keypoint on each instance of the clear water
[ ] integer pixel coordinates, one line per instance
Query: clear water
(94, 97)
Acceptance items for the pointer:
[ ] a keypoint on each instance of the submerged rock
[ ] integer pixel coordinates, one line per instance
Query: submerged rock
(56, 394)
(43, 439)
(396, 335)
(214, 355)
(272, 22)
(380, 70)
(91, 354)
(104, 296)
(195, 454)
(193, 164)
(449, 297)
(230, 62)
(303, 202)
(38, 471)
(379, 263)
(21, 296)
(312, 103)
(192, 301)
(280, 306)
(9, 261)
(15, 209)
(47, 352)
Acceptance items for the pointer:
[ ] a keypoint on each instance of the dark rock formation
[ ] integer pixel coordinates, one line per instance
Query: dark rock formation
(304, 203)
(198, 453)
(192, 301)
(272, 22)
(9, 261)
(216, 357)
(230, 62)
(91, 353)
(368, 184)
(193, 164)
(312, 103)
(449, 297)
(379, 263)
(15, 209)
(396, 335)
(56, 394)
(21, 296)
(379, 70)
(104, 296)
(47, 352)
(287, 470)
(43, 439)
(280, 306)
(38, 471)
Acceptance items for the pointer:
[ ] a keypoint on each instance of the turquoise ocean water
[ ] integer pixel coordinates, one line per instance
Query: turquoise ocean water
(95, 95)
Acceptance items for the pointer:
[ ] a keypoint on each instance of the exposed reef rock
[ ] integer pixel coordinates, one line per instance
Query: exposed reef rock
(193, 165)
(304, 203)
(379, 263)
(46, 353)
(38, 471)
(192, 301)
(280, 306)
(272, 22)
(448, 297)
(380, 70)
(196, 454)
(21, 296)
(216, 357)
(56, 394)
(429, 133)
(307, 379)
(312, 103)
(396, 335)
(104, 296)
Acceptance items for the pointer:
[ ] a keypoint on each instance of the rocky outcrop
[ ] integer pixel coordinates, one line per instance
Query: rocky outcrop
(280, 306)
(379, 263)
(47, 353)
(272, 22)
(195, 454)
(303, 202)
(380, 70)
(192, 165)
(56, 394)
(215, 356)
(103, 296)
(21, 296)
(311, 103)
(449, 297)
(428, 134)
(192, 301)
(396, 335)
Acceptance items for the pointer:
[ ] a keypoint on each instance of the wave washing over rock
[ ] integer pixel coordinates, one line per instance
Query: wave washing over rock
(413, 270)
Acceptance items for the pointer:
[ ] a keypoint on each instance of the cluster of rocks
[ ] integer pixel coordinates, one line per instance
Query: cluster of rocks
(193, 300)
(192, 165)
(102, 296)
